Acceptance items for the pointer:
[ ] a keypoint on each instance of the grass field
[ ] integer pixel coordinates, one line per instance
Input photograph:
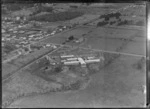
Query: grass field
(82, 19)
(21, 61)
(118, 85)
(77, 33)
(137, 47)
(106, 38)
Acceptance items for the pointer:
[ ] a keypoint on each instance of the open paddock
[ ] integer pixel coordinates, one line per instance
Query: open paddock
(77, 33)
(136, 47)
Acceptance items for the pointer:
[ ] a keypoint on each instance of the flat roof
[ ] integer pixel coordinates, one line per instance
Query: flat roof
(81, 61)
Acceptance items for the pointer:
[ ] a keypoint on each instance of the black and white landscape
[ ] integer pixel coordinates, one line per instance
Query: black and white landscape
(73, 55)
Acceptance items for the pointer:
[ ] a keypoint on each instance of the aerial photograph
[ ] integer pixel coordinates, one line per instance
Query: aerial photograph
(71, 55)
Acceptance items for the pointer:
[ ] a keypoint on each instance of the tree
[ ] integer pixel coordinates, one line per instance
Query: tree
(106, 18)
(118, 15)
(57, 69)
(71, 37)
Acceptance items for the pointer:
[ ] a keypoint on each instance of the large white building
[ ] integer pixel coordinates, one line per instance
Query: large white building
(72, 60)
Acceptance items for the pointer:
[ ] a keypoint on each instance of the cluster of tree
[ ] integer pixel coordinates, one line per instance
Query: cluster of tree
(8, 47)
(107, 16)
(57, 69)
(102, 23)
(126, 22)
(76, 85)
(111, 23)
(140, 23)
(52, 17)
(71, 38)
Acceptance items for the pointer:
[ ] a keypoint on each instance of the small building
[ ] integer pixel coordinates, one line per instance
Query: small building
(60, 29)
(18, 18)
(48, 45)
(91, 57)
(64, 27)
(54, 46)
(31, 36)
(67, 56)
(52, 33)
